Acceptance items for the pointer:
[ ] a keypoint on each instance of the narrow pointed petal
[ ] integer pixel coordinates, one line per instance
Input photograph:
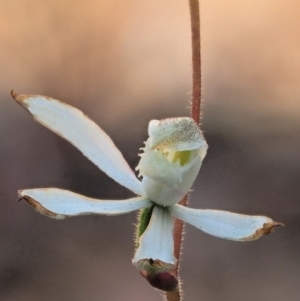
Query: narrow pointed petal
(59, 203)
(155, 252)
(71, 124)
(225, 224)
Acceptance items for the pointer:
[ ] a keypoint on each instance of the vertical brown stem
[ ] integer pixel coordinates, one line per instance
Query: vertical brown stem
(195, 114)
(196, 47)
(174, 295)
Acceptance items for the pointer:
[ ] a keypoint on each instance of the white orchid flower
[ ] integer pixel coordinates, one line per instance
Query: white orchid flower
(169, 165)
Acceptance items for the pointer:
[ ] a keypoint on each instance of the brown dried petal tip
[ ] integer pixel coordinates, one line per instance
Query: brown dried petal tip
(39, 208)
(269, 227)
(13, 94)
(266, 229)
(18, 98)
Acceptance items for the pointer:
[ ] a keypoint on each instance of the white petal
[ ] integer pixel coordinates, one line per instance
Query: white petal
(156, 246)
(59, 203)
(225, 224)
(74, 126)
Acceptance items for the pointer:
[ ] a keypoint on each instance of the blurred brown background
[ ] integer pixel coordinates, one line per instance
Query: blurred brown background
(124, 63)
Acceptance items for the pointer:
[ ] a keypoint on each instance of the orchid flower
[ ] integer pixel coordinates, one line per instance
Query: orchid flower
(169, 164)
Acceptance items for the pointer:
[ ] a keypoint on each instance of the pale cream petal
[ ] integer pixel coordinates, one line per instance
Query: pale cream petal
(225, 224)
(155, 252)
(83, 133)
(59, 203)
